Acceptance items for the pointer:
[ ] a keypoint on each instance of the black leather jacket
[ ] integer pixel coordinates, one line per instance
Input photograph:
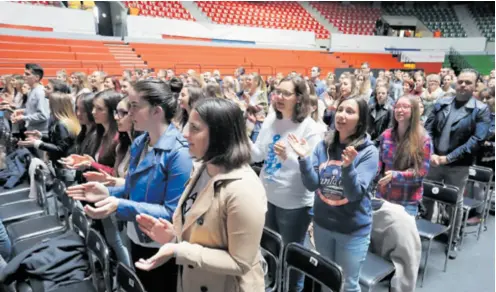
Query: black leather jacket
(467, 131)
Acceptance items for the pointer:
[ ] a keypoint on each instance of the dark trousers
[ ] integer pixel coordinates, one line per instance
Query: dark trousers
(163, 278)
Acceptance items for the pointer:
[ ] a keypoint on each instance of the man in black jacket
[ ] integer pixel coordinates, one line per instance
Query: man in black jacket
(457, 125)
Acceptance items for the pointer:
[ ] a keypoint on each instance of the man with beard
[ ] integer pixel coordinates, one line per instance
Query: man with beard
(456, 140)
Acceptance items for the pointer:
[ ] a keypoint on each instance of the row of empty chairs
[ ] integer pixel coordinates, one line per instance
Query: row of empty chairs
(55, 54)
(349, 19)
(30, 222)
(278, 15)
(43, 3)
(167, 9)
(483, 14)
(434, 17)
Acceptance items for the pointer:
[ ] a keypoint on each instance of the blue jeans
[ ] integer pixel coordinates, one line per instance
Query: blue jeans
(347, 251)
(292, 225)
(114, 240)
(412, 210)
(5, 244)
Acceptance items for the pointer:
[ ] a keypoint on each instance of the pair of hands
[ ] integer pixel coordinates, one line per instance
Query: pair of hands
(437, 160)
(78, 162)
(161, 231)
(302, 149)
(97, 193)
(31, 138)
(17, 116)
(101, 177)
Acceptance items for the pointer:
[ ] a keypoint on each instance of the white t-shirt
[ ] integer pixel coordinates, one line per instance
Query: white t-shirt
(200, 185)
(282, 179)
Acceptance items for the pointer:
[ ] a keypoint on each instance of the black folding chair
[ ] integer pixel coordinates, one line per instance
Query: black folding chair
(39, 226)
(99, 252)
(272, 250)
(374, 270)
(22, 195)
(17, 189)
(482, 177)
(444, 195)
(80, 224)
(314, 266)
(25, 209)
(127, 280)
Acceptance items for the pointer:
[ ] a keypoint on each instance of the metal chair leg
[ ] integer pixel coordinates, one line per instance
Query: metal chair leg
(425, 263)
(464, 227)
(483, 215)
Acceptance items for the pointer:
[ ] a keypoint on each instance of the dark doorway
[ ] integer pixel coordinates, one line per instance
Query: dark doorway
(104, 18)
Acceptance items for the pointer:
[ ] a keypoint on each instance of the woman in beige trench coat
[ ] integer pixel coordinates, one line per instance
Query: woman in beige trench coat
(218, 224)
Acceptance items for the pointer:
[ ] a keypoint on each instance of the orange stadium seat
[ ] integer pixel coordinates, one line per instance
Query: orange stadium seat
(278, 15)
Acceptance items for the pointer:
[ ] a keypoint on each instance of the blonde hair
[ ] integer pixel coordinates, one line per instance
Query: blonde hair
(260, 83)
(434, 77)
(63, 110)
(314, 102)
(366, 85)
(410, 149)
(83, 80)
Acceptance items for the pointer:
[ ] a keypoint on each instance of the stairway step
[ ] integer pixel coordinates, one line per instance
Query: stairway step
(123, 55)
(116, 45)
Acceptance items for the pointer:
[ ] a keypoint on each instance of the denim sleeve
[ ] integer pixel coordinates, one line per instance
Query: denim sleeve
(483, 123)
(118, 192)
(178, 173)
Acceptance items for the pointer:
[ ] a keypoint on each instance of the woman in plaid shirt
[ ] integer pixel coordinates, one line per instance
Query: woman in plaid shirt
(404, 154)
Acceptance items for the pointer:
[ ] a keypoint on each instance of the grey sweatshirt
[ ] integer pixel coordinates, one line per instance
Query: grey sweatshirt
(37, 112)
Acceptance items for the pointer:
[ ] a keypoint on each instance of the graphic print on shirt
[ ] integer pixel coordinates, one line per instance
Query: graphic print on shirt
(189, 203)
(331, 185)
(272, 164)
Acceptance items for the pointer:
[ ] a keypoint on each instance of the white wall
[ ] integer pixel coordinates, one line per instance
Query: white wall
(401, 20)
(490, 47)
(341, 42)
(60, 19)
(154, 27)
(423, 57)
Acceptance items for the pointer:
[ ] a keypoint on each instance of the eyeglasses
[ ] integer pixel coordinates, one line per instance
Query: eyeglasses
(284, 93)
(120, 113)
(402, 106)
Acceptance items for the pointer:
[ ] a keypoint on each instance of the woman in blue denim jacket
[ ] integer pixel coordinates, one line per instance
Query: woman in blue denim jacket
(159, 168)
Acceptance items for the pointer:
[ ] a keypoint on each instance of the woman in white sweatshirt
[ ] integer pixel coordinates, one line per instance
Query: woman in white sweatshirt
(289, 202)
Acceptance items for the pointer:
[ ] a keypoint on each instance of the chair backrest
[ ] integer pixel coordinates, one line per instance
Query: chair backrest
(439, 192)
(98, 251)
(80, 223)
(127, 280)
(41, 195)
(319, 269)
(58, 188)
(272, 250)
(480, 174)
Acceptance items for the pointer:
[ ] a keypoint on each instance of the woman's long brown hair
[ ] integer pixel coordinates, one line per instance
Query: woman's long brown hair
(410, 151)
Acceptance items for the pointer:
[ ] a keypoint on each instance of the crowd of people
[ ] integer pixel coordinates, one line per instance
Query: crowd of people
(195, 165)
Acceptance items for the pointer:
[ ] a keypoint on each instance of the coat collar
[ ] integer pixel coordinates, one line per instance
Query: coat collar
(168, 139)
(205, 198)
(166, 142)
(448, 101)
